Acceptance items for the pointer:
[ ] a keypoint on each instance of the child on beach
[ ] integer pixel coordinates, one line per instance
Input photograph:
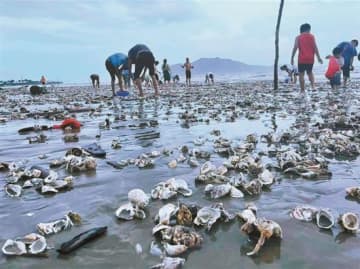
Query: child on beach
(115, 64)
(188, 66)
(95, 80)
(291, 71)
(306, 44)
(333, 72)
(142, 57)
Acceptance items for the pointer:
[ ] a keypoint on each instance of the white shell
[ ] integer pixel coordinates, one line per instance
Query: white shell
(218, 191)
(51, 177)
(304, 213)
(138, 198)
(12, 247)
(165, 213)
(236, 193)
(172, 164)
(174, 250)
(350, 222)
(266, 177)
(207, 216)
(38, 246)
(193, 162)
(129, 212)
(13, 190)
(207, 167)
(48, 189)
(324, 215)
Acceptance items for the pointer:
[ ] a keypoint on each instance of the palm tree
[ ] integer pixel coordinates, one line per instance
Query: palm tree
(277, 45)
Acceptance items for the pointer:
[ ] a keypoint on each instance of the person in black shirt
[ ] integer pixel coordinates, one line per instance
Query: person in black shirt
(142, 57)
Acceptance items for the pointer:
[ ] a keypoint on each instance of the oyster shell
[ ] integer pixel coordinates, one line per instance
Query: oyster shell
(170, 263)
(207, 216)
(304, 213)
(13, 190)
(349, 221)
(207, 167)
(13, 247)
(59, 225)
(174, 250)
(266, 178)
(138, 198)
(165, 213)
(172, 164)
(324, 218)
(267, 229)
(353, 192)
(129, 212)
(218, 191)
(46, 189)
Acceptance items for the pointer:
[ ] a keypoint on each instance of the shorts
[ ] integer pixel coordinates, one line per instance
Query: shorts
(188, 74)
(335, 80)
(166, 76)
(94, 77)
(346, 70)
(144, 59)
(305, 67)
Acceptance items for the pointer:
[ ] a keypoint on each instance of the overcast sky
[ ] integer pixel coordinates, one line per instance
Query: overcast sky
(68, 40)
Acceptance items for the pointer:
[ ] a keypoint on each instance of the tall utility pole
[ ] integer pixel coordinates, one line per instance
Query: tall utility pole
(276, 82)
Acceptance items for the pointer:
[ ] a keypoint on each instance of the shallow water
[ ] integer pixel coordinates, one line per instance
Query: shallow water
(96, 195)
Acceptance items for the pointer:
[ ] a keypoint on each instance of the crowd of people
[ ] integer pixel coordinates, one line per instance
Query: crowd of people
(341, 60)
(119, 65)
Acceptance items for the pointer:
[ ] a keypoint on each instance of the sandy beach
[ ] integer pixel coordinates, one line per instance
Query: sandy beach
(279, 121)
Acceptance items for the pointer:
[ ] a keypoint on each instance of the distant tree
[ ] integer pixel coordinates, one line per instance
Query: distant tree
(276, 82)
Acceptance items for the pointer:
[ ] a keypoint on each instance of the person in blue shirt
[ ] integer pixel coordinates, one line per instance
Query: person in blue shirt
(115, 64)
(348, 53)
(142, 57)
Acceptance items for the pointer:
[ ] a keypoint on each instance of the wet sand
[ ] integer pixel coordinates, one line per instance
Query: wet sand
(96, 195)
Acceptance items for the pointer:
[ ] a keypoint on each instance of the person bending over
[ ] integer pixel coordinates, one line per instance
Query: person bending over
(115, 64)
(142, 57)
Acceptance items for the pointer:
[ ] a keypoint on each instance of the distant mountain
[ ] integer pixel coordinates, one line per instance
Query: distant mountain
(220, 66)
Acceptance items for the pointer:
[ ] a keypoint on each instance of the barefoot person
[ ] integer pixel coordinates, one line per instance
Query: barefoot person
(291, 71)
(43, 80)
(188, 66)
(333, 72)
(115, 64)
(166, 71)
(306, 44)
(142, 57)
(95, 80)
(348, 52)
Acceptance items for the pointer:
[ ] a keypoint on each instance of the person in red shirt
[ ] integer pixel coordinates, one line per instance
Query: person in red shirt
(306, 44)
(333, 73)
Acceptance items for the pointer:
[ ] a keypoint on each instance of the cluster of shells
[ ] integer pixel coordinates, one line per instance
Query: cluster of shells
(325, 219)
(35, 244)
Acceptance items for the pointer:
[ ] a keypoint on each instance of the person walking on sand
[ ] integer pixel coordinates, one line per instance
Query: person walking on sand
(348, 52)
(166, 71)
(43, 80)
(333, 72)
(142, 57)
(306, 44)
(95, 80)
(188, 66)
(115, 64)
